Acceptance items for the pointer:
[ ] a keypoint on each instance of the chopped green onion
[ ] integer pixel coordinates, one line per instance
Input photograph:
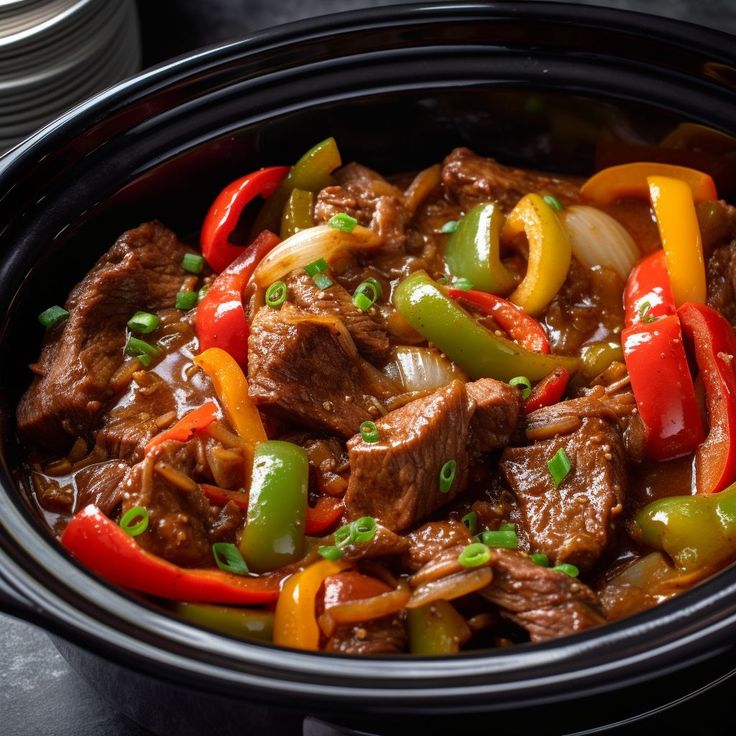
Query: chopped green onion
(376, 285)
(462, 284)
(323, 281)
(559, 466)
(369, 432)
(144, 360)
(644, 310)
(192, 263)
(450, 226)
(447, 475)
(553, 202)
(568, 569)
(522, 381)
(52, 316)
(315, 267)
(502, 538)
(143, 322)
(343, 221)
(471, 521)
(136, 347)
(474, 555)
(539, 558)
(365, 529)
(186, 299)
(365, 295)
(228, 558)
(129, 524)
(345, 535)
(276, 294)
(330, 552)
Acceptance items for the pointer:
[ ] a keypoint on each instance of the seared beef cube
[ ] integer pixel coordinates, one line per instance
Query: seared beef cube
(397, 478)
(430, 540)
(142, 271)
(385, 635)
(721, 279)
(305, 369)
(100, 484)
(471, 179)
(546, 603)
(370, 337)
(572, 522)
(367, 196)
(497, 408)
(385, 543)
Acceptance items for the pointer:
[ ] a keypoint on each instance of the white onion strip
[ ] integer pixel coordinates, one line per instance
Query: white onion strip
(451, 587)
(598, 239)
(309, 245)
(420, 369)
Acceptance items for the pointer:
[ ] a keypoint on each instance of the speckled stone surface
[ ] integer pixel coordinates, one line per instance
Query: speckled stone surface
(39, 694)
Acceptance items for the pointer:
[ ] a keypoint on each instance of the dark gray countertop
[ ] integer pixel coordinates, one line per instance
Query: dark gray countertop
(39, 693)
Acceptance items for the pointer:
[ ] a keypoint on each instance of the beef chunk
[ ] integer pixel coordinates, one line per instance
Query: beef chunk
(472, 179)
(306, 369)
(397, 478)
(100, 484)
(72, 384)
(497, 408)
(367, 196)
(385, 543)
(385, 635)
(430, 540)
(370, 337)
(572, 522)
(721, 279)
(546, 603)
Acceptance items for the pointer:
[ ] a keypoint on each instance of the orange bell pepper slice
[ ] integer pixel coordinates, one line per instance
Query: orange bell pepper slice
(630, 180)
(295, 621)
(679, 231)
(191, 423)
(231, 388)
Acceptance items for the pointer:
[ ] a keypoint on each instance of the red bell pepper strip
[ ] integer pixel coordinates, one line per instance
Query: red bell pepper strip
(663, 388)
(183, 430)
(714, 344)
(648, 293)
(220, 321)
(548, 391)
(225, 212)
(108, 551)
(221, 496)
(513, 320)
(323, 515)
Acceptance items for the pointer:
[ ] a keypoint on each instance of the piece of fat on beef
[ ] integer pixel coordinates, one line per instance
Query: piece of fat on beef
(370, 199)
(369, 335)
(471, 180)
(572, 522)
(548, 604)
(71, 389)
(304, 368)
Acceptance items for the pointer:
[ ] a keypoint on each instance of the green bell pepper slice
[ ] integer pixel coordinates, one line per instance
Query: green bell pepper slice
(697, 532)
(477, 350)
(277, 503)
(312, 172)
(241, 623)
(598, 356)
(436, 628)
(473, 251)
(297, 214)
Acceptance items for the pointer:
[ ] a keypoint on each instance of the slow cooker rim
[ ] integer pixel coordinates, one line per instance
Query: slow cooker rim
(46, 600)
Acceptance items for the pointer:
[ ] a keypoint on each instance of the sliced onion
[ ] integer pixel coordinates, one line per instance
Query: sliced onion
(599, 240)
(365, 609)
(309, 245)
(449, 588)
(420, 369)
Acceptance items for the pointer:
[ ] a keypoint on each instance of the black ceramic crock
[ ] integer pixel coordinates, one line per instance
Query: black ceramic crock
(529, 83)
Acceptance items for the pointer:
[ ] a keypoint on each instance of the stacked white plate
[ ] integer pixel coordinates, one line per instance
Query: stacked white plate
(54, 53)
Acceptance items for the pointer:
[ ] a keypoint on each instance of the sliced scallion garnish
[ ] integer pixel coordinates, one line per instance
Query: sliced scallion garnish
(143, 323)
(330, 552)
(369, 432)
(553, 202)
(186, 299)
(471, 522)
(276, 294)
(644, 312)
(522, 381)
(52, 316)
(315, 267)
(228, 558)
(539, 558)
(500, 538)
(568, 569)
(365, 529)
(192, 263)
(365, 295)
(343, 221)
(559, 466)
(474, 555)
(136, 347)
(135, 521)
(447, 475)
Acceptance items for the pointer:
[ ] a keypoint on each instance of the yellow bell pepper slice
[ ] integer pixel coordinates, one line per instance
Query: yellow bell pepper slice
(231, 388)
(630, 180)
(295, 621)
(550, 252)
(672, 201)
